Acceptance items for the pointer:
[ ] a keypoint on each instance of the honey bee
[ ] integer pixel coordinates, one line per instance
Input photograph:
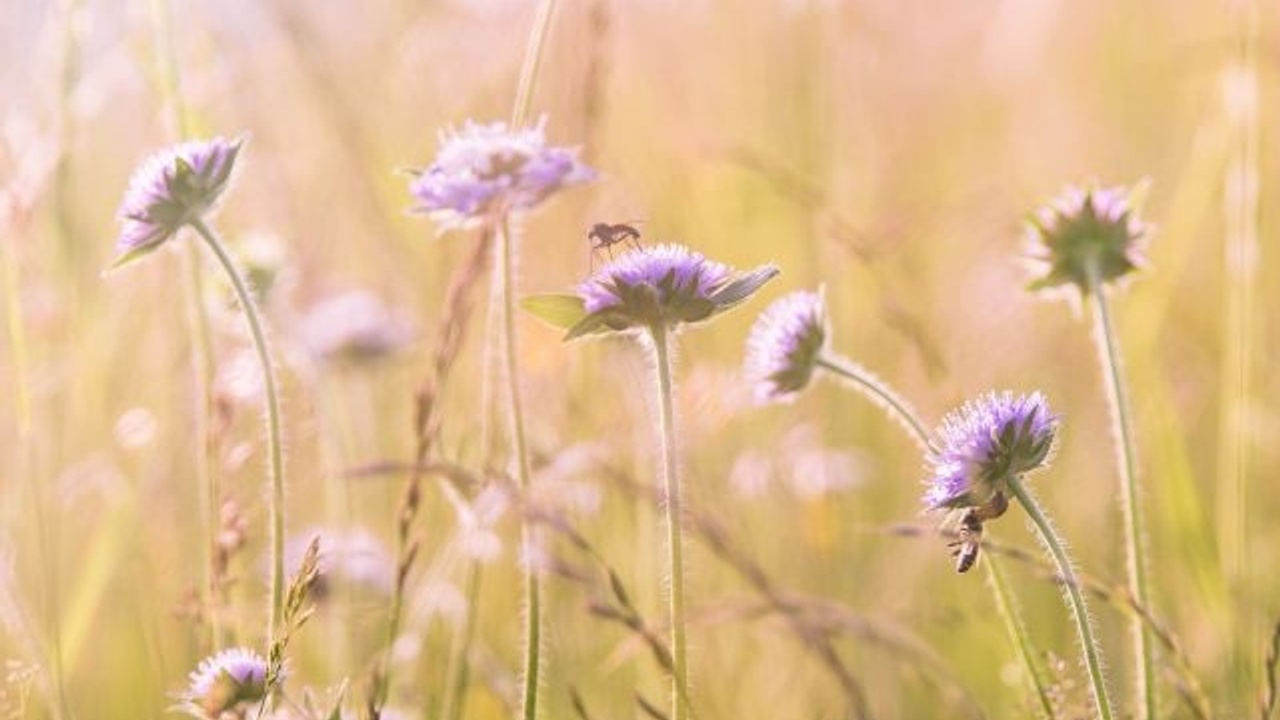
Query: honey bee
(603, 236)
(969, 526)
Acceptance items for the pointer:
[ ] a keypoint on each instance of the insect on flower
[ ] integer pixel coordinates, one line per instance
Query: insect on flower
(969, 523)
(603, 236)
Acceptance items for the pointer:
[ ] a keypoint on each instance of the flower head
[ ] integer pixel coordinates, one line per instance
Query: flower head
(1086, 232)
(662, 285)
(484, 170)
(353, 326)
(985, 442)
(173, 188)
(784, 345)
(225, 682)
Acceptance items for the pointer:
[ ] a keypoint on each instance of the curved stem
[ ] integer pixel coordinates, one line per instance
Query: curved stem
(532, 592)
(1017, 632)
(274, 434)
(675, 532)
(1135, 538)
(1075, 600)
(879, 393)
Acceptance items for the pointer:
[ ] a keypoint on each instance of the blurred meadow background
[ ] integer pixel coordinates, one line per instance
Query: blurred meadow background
(889, 151)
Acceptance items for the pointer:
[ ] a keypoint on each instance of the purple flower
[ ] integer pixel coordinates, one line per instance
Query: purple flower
(784, 346)
(1086, 232)
(985, 442)
(173, 188)
(662, 285)
(225, 683)
(354, 327)
(482, 171)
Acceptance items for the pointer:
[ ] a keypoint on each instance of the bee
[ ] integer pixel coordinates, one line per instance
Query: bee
(969, 526)
(604, 236)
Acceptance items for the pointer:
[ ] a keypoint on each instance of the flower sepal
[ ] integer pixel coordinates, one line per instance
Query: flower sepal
(1087, 237)
(743, 287)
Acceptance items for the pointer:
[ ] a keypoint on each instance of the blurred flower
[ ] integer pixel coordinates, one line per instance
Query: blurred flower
(355, 557)
(802, 462)
(225, 683)
(354, 326)
(265, 258)
(483, 171)
(662, 285)
(136, 428)
(565, 484)
(784, 346)
(1086, 232)
(982, 444)
(477, 518)
(173, 188)
(751, 473)
(238, 378)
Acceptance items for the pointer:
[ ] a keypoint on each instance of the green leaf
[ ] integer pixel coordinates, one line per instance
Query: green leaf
(744, 287)
(135, 254)
(589, 325)
(559, 310)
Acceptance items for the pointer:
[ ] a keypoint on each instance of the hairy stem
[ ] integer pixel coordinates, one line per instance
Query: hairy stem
(1075, 600)
(1135, 538)
(879, 393)
(675, 530)
(520, 450)
(533, 600)
(274, 434)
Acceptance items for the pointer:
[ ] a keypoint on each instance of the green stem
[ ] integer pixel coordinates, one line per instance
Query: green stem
(1075, 600)
(515, 421)
(274, 434)
(879, 393)
(533, 600)
(1135, 538)
(675, 530)
(1005, 605)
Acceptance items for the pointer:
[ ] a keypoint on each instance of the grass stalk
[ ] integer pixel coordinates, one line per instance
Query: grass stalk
(170, 82)
(1005, 605)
